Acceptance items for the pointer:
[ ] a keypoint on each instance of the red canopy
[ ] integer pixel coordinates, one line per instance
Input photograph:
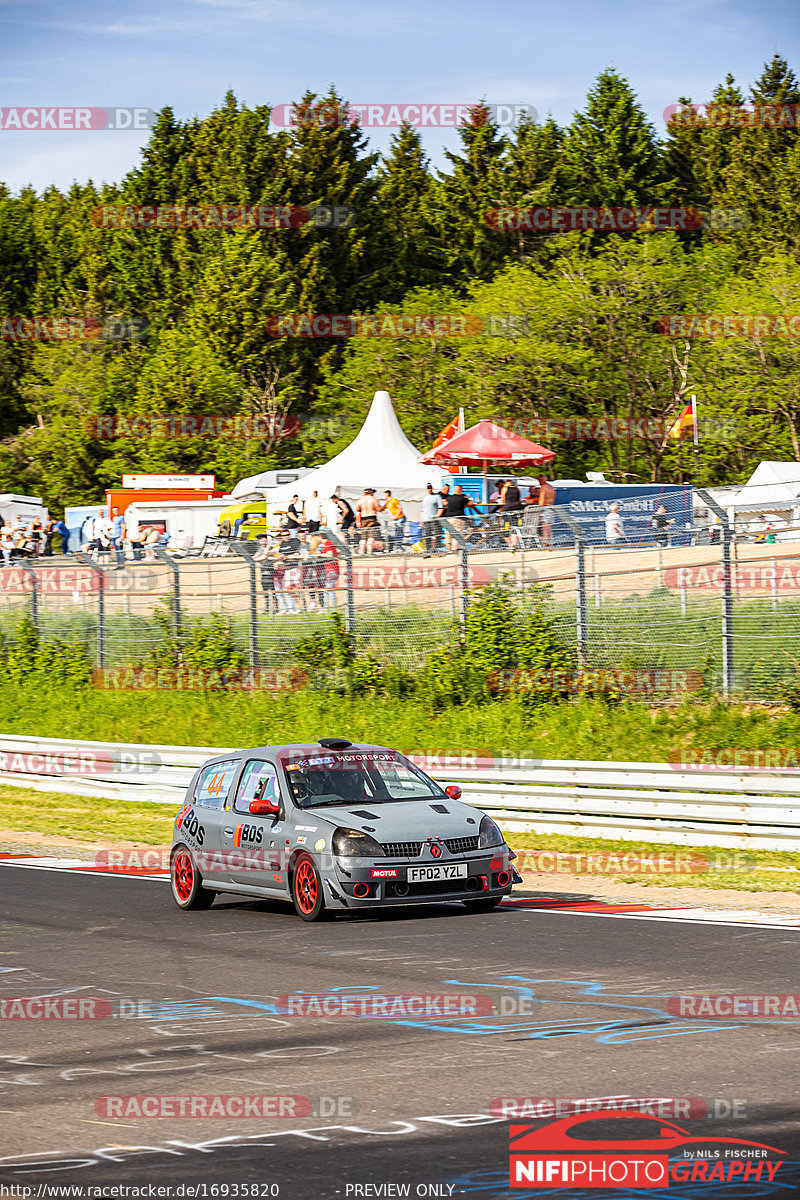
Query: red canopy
(486, 443)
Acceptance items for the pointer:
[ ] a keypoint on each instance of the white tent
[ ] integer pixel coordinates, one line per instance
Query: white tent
(381, 456)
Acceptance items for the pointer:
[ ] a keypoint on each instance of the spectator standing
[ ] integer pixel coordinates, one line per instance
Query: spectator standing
(614, 531)
(330, 557)
(118, 536)
(264, 557)
(661, 524)
(431, 504)
(512, 505)
(367, 510)
(62, 530)
(454, 509)
(287, 573)
(547, 499)
(397, 526)
(6, 545)
(496, 497)
(314, 513)
(347, 518)
(36, 536)
(294, 515)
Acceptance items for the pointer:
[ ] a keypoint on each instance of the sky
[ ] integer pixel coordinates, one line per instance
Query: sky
(189, 53)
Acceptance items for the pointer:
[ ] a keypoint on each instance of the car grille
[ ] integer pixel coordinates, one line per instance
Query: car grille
(460, 845)
(402, 849)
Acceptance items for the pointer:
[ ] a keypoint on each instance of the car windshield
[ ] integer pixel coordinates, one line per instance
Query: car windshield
(356, 777)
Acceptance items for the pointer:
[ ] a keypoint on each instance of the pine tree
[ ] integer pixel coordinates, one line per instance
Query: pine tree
(610, 154)
(409, 253)
(475, 186)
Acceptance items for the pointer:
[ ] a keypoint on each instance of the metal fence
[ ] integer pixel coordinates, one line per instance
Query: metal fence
(717, 619)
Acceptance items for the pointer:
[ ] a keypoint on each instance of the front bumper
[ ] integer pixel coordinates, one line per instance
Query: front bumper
(352, 884)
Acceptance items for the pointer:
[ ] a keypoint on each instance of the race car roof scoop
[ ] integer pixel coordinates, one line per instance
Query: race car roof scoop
(362, 812)
(335, 743)
(439, 808)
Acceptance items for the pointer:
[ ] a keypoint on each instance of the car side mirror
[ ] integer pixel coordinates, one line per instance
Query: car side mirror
(453, 791)
(264, 808)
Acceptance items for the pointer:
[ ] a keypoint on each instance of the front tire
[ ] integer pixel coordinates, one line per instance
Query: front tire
(307, 894)
(485, 904)
(188, 890)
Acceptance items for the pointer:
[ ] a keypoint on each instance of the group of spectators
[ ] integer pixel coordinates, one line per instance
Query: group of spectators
(299, 571)
(34, 539)
(102, 536)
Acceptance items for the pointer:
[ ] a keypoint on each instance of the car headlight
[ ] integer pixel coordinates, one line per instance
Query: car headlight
(489, 834)
(352, 843)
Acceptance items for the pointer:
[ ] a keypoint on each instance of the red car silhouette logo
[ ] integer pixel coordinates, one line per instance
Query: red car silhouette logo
(666, 1136)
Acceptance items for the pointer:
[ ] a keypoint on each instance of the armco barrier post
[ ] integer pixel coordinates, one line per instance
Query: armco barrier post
(727, 592)
(581, 620)
(248, 558)
(101, 606)
(34, 594)
(463, 548)
(347, 554)
(176, 589)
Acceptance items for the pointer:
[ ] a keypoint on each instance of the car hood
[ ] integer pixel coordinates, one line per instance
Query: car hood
(403, 820)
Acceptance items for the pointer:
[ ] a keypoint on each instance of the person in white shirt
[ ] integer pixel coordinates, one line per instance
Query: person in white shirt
(314, 513)
(614, 531)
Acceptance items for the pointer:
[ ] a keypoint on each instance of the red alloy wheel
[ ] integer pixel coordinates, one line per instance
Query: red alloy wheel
(306, 885)
(183, 875)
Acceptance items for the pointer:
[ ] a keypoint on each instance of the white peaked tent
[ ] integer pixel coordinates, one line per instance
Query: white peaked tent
(381, 456)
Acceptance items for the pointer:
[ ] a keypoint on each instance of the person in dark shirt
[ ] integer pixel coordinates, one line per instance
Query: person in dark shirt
(294, 514)
(454, 509)
(661, 524)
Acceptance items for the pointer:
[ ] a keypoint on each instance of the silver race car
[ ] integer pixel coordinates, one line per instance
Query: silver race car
(333, 826)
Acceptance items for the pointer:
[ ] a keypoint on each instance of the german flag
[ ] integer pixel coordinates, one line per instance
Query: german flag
(685, 421)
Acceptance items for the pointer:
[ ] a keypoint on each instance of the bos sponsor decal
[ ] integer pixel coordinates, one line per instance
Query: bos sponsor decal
(247, 834)
(652, 1154)
(385, 873)
(189, 825)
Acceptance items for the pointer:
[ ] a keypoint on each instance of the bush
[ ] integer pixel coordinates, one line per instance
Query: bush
(45, 663)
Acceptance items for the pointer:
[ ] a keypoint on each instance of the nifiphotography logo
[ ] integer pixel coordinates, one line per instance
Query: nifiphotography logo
(652, 1153)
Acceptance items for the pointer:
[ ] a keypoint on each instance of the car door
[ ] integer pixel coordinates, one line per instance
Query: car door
(254, 844)
(199, 823)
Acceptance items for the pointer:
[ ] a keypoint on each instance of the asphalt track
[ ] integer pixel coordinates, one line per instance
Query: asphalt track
(402, 1101)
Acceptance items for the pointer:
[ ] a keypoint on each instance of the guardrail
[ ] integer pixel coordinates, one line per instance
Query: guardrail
(749, 807)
